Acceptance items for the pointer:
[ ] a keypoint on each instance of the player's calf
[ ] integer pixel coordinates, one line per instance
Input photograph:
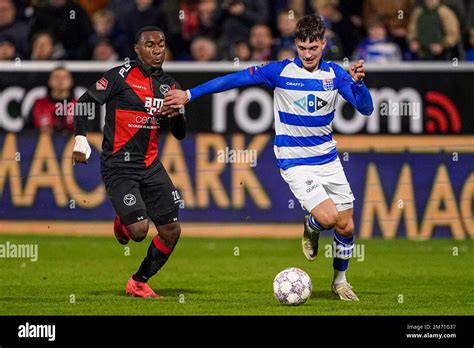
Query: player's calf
(170, 233)
(342, 248)
(161, 247)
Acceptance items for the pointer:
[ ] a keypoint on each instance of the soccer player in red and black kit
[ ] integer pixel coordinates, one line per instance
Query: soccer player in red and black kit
(136, 181)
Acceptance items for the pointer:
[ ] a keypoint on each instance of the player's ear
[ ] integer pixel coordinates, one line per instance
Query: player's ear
(135, 48)
(323, 43)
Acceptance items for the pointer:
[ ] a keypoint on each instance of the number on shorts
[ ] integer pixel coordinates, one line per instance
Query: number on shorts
(176, 195)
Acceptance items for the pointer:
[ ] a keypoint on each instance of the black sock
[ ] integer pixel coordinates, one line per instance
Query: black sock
(156, 257)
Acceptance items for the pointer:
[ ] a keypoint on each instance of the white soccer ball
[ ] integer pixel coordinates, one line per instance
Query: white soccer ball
(292, 286)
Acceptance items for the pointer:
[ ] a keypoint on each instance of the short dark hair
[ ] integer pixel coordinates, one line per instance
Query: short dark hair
(59, 67)
(310, 27)
(144, 29)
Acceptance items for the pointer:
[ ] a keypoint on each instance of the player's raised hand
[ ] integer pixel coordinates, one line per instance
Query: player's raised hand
(174, 99)
(82, 150)
(357, 70)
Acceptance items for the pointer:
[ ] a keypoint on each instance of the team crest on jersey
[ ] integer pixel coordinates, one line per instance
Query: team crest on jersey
(309, 182)
(165, 89)
(328, 84)
(101, 85)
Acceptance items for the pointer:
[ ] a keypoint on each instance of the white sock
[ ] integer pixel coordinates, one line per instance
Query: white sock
(339, 277)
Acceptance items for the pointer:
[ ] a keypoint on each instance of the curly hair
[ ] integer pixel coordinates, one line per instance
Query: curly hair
(310, 27)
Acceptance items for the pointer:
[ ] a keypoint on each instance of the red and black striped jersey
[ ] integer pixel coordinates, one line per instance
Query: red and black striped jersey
(133, 95)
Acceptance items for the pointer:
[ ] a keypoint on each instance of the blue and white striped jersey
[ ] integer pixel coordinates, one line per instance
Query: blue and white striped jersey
(304, 105)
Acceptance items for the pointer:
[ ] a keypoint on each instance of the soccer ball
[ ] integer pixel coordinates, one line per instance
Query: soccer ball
(292, 286)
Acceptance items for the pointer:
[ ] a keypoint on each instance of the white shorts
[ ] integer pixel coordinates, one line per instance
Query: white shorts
(312, 185)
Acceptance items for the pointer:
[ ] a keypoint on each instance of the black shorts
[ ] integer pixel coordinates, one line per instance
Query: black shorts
(140, 194)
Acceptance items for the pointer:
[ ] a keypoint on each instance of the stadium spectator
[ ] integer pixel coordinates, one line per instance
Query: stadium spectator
(203, 49)
(352, 9)
(341, 33)
(334, 49)
(299, 7)
(174, 41)
(261, 42)
(470, 16)
(7, 48)
(345, 33)
(104, 51)
(470, 49)
(42, 47)
(459, 9)
(92, 7)
(143, 13)
(15, 30)
(189, 11)
(45, 114)
(286, 25)
(393, 14)
(285, 53)
(433, 31)
(206, 9)
(376, 48)
(106, 28)
(69, 24)
(327, 10)
(241, 51)
(168, 55)
(236, 17)
(121, 7)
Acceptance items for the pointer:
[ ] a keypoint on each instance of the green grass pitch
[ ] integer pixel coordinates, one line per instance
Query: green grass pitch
(87, 276)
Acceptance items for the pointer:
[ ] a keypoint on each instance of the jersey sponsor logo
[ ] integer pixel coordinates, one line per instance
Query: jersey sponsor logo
(165, 89)
(101, 85)
(146, 119)
(311, 103)
(153, 105)
(328, 84)
(124, 69)
(129, 199)
(139, 87)
(312, 188)
(297, 84)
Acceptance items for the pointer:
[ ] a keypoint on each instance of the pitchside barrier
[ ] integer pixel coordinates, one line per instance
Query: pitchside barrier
(410, 164)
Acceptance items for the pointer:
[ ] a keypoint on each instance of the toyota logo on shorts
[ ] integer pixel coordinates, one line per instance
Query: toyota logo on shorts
(129, 199)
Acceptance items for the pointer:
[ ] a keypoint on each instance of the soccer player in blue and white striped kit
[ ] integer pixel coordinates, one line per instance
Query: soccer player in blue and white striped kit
(305, 94)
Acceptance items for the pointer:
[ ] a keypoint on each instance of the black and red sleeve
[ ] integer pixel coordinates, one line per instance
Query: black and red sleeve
(104, 90)
(178, 123)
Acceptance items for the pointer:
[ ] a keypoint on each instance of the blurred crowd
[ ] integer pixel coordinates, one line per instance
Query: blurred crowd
(211, 30)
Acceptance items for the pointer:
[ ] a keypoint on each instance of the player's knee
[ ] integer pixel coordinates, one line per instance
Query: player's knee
(138, 230)
(346, 228)
(327, 219)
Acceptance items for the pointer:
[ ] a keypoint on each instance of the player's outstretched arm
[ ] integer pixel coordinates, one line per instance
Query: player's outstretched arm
(265, 75)
(98, 94)
(82, 149)
(354, 90)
